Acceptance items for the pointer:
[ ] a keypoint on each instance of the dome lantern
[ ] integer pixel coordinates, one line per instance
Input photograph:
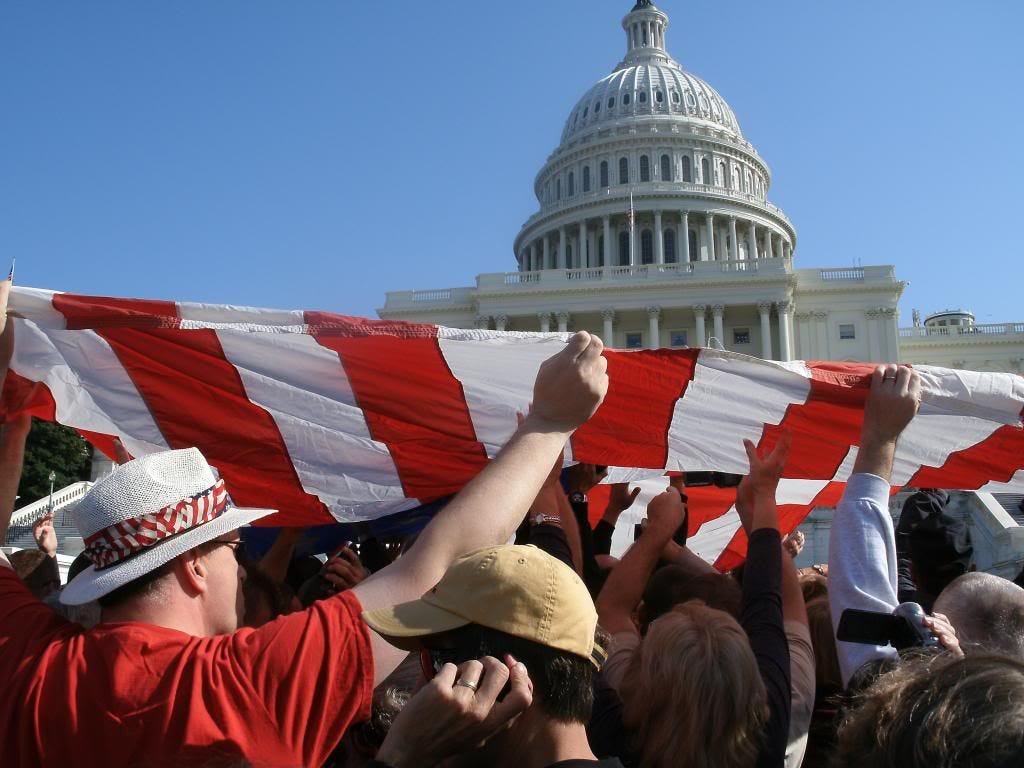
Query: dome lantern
(645, 27)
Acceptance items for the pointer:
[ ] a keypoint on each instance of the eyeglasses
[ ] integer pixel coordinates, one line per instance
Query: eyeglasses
(237, 545)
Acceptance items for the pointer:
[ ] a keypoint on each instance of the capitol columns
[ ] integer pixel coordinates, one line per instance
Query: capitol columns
(608, 331)
(785, 334)
(483, 322)
(654, 333)
(606, 222)
(533, 257)
(698, 316)
(717, 312)
(711, 236)
(547, 252)
(684, 236)
(764, 308)
(752, 241)
(581, 250)
(768, 244)
(561, 247)
(659, 240)
(500, 322)
(734, 244)
(563, 322)
(545, 321)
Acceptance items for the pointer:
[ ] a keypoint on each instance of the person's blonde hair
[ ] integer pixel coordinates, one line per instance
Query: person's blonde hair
(693, 696)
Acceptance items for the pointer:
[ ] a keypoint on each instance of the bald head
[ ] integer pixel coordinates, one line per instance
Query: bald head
(987, 613)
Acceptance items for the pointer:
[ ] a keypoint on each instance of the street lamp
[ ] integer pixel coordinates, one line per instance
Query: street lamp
(53, 476)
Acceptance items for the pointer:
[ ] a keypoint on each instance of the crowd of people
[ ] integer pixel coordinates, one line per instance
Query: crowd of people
(169, 645)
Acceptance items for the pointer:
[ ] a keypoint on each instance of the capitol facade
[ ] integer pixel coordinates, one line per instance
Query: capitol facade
(655, 229)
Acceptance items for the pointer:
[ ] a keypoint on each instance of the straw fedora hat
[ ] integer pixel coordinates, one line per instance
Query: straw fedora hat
(146, 513)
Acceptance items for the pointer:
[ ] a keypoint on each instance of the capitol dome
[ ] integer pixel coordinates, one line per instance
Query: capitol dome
(652, 169)
(650, 89)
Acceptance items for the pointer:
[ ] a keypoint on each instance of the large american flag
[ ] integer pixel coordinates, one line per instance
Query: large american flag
(333, 418)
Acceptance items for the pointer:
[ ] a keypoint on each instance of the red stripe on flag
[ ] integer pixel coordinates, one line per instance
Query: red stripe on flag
(103, 312)
(23, 396)
(996, 458)
(630, 429)
(197, 399)
(411, 401)
(825, 426)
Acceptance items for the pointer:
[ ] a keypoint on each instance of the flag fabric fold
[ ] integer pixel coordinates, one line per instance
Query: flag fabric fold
(334, 418)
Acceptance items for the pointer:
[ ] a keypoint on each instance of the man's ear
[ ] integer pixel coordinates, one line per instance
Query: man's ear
(193, 572)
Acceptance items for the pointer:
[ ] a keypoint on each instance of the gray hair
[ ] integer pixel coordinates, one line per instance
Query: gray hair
(987, 613)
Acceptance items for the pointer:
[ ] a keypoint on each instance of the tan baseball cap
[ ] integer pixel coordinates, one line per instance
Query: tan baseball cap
(519, 590)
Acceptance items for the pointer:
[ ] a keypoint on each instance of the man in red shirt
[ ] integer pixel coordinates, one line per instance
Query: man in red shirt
(167, 677)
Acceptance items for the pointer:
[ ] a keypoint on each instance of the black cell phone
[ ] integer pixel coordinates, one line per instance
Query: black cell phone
(871, 628)
(639, 528)
(726, 479)
(699, 479)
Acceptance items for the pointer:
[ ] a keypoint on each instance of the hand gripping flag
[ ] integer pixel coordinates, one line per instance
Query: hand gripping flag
(332, 418)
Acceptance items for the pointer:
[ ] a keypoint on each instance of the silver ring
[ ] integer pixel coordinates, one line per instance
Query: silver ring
(888, 378)
(467, 684)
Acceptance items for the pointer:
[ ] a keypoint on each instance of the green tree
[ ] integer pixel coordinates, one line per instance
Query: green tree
(53, 448)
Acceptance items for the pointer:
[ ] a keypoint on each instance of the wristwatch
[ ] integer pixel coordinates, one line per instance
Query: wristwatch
(578, 498)
(542, 519)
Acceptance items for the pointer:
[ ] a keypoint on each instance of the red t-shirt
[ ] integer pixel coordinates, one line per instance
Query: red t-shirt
(135, 694)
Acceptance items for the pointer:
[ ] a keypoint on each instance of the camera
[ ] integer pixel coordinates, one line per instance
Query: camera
(903, 628)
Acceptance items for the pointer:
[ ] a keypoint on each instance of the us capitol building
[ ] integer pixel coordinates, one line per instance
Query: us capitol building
(655, 230)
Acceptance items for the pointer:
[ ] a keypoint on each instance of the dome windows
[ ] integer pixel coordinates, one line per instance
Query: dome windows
(666, 168)
(643, 97)
(687, 169)
(572, 183)
(586, 111)
(645, 168)
(623, 249)
(558, 189)
(646, 247)
(675, 97)
(623, 170)
(604, 173)
(586, 178)
(611, 103)
(597, 107)
(705, 171)
(625, 99)
(659, 97)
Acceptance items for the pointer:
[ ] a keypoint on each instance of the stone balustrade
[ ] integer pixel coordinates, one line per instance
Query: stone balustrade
(946, 332)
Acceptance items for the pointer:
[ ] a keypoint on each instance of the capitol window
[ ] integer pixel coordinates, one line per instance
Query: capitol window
(623, 170)
(643, 97)
(645, 168)
(646, 247)
(572, 183)
(677, 338)
(675, 97)
(586, 178)
(847, 331)
(635, 340)
(625, 99)
(666, 168)
(586, 111)
(604, 173)
(659, 96)
(740, 335)
(705, 171)
(687, 171)
(670, 246)
(597, 107)
(623, 249)
(611, 103)
(558, 189)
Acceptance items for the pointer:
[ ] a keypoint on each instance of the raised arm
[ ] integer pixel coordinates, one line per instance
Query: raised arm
(862, 547)
(569, 388)
(625, 585)
(12, 434)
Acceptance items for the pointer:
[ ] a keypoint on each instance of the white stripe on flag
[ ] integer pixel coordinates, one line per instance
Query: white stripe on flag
(729, 399)
(320, 422)
(90, 387)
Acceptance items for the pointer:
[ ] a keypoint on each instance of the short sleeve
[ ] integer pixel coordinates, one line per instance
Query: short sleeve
(24, 620)
(313, 672)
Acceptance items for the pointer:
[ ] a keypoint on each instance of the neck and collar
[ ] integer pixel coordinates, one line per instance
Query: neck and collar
(535, 741)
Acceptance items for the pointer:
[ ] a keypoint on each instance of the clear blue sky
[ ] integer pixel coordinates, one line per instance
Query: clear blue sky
(317, 154)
